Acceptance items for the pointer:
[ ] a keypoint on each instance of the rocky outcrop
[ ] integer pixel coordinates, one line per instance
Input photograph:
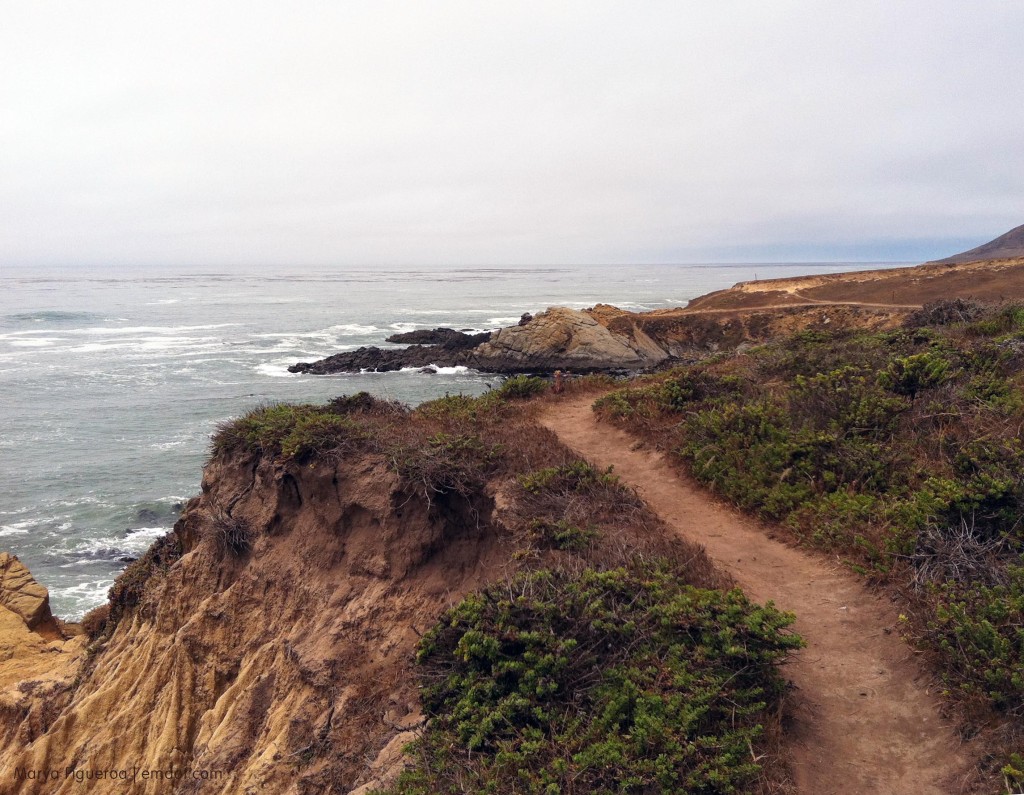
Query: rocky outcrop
(21, 594)
(448, 339)
(442, 347)
(39, 660)
(601, 339)
(567, 339)
(378, 360)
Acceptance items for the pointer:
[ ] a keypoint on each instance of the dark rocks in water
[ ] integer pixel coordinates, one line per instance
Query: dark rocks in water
(428, 370)
(443, 347)
(526, 318)
(446, 338)
(374, 359)
(146, 515)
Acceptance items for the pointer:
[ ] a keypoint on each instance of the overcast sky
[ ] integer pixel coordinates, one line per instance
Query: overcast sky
(554, 132)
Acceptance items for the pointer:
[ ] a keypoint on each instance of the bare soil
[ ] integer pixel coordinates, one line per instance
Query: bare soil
(897, 288)
(866, 717)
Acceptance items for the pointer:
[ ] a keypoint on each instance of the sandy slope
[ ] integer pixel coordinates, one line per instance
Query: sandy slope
(898, 288)
(865, 719)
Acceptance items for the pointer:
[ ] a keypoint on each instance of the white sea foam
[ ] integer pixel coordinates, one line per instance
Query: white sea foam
(454, 312)
(105, 546)
(169, 444)
(140, 539)
(84, 596)
(16, 529)
(353, 329)
(457, 370)
(35, 342)
(277, 369)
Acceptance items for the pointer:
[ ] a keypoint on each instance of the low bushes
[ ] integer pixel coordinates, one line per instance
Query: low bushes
(586, 681)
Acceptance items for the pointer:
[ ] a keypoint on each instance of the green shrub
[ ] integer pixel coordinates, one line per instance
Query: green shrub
(576, 476)
(980, 630)
(317, 433)
(680, 392)
(521, 387)
(624, 403)
(1013, 773)
(844, 399)
(461, 408)
(290, 430)
(365, 403)
(908, 375)
(836, 521)
(1005, 320)
(599, 682)
(560, 534)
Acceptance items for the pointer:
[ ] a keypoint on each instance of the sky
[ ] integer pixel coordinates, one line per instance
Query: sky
(413, 133)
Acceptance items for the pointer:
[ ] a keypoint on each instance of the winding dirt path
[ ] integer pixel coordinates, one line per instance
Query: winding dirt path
(865, 721)
(804, 301)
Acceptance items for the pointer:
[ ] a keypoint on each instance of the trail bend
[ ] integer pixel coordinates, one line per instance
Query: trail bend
(865, 722)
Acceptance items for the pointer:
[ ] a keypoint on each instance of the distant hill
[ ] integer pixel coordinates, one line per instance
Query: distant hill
(1005, 246)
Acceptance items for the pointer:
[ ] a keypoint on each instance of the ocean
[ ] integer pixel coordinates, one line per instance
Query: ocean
(113, 379)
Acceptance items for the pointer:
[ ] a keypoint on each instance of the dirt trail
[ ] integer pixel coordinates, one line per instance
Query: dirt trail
(804, 301)
(865, 720)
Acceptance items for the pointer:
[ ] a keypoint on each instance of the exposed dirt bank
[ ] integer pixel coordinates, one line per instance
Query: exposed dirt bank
(249, 665)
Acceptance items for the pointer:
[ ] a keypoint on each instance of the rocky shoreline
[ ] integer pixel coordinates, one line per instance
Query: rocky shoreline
(605, 339)
(557, 339)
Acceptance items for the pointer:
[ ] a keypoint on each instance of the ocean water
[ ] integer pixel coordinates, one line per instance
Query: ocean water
(112, 380)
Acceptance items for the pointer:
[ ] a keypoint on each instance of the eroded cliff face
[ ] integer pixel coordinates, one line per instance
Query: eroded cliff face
(266, 646)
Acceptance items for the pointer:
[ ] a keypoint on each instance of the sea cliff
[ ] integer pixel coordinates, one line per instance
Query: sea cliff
(269, 643)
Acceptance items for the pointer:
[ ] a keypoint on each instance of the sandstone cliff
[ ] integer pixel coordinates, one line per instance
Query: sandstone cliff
(245, 667)
(267, 644)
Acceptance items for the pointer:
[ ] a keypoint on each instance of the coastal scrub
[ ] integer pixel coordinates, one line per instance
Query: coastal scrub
(899, 452)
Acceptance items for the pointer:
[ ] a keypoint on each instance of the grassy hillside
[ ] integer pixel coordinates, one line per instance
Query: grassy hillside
(899, 452)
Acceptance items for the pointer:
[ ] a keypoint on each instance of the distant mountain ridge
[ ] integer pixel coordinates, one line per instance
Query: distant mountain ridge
(1008, 246)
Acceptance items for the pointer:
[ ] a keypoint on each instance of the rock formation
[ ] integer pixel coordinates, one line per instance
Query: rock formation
(21, 594)
(448, 339)
(567, 339)
(601, 339)
(39, 660)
